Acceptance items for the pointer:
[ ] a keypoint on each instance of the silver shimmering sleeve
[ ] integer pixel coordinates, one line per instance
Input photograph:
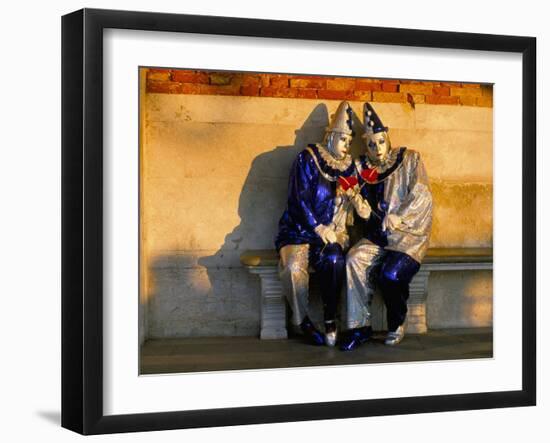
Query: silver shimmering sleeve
(416, 209)
(340, 219)
(362, 206)
(410, 197)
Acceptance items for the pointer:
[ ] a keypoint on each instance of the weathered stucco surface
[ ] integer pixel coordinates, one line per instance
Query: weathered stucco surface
(213, 183)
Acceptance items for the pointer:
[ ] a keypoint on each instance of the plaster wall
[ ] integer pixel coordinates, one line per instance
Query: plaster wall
(214, 180)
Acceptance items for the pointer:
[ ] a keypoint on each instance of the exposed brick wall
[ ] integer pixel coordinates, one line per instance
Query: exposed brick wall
(178, 81)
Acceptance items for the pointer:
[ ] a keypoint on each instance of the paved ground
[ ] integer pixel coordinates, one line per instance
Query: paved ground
(227, 353)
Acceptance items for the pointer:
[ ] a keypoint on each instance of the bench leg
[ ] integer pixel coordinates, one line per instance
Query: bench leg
(273, 304)
(418, 293)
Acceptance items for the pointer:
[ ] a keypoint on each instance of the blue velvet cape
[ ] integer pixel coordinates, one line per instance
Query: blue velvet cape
(310, 199)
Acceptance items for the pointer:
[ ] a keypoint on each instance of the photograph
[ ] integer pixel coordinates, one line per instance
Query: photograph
(244, 222)
(294, 220)
(270, 221)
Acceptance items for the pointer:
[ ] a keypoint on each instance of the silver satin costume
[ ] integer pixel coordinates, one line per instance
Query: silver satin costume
(407, 194)
(294, 275)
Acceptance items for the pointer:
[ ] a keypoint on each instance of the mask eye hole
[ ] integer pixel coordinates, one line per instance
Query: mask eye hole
(382, 141)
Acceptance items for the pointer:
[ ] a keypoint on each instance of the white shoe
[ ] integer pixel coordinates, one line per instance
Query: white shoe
(330, 337)
(395, 337)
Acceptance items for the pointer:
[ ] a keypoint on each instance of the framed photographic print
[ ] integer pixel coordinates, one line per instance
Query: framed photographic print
(253, 207)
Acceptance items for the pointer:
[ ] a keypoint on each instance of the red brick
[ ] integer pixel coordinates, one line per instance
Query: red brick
(250, 91)
(487, 90)
(220, 90)
(190, 88)
(409, 82)
(330, 94)
(307, 77)
(390, 86)
(486, 102)
(442, 90)
(466, 100)
(217, 78)
(451, 84)
(157, 70)
(190, 77)
(341, 84)
(251, 80)
(159, 87)
(172, 88)
(278, 92)
(279, 81)
(471, 85)
(368, 85)
(264, 80)
(315, 83)
(158, 74)
(466, 92)
(425, 89)
(306, 93)
(417, 99)
(363, 95)
(441, 100)
(389, 97)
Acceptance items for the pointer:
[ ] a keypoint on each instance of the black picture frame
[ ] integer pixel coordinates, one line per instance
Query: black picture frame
(82, 218)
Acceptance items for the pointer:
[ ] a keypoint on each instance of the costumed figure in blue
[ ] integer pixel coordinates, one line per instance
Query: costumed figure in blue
(312, 230)
(396, 229)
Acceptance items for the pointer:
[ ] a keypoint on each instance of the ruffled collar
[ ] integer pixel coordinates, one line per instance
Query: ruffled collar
(372, 173)
(338, 164)
(330, 167)
(383, 166)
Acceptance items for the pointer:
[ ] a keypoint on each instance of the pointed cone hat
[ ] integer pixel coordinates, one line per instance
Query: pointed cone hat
(342, 120)
(373, 124)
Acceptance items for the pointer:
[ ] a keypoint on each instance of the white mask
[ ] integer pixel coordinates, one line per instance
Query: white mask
(378, 147)
(338, 144)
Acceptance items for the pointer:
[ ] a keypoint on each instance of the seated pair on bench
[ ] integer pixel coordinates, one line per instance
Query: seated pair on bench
(385, 190)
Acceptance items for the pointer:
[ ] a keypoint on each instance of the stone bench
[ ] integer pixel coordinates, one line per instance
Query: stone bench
(264, 263)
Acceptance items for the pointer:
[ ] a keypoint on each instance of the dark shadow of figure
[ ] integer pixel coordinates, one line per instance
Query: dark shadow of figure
(263, 199)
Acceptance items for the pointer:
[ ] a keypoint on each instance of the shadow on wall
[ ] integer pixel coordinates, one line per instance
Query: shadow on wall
(264, 194)
(261, 203)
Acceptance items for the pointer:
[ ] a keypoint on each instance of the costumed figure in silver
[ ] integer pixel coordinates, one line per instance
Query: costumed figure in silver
(312, 230)
(396, 229)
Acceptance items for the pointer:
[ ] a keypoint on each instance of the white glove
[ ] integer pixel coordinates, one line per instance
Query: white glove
(326, 233)
(360, 204)
(391, 222)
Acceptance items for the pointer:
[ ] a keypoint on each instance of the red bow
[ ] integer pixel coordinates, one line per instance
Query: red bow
(370, 175)
(347, 182)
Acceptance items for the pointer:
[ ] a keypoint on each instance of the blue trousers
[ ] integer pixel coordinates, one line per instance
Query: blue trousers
(369, 266)
(330, 269)
(396, 272)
